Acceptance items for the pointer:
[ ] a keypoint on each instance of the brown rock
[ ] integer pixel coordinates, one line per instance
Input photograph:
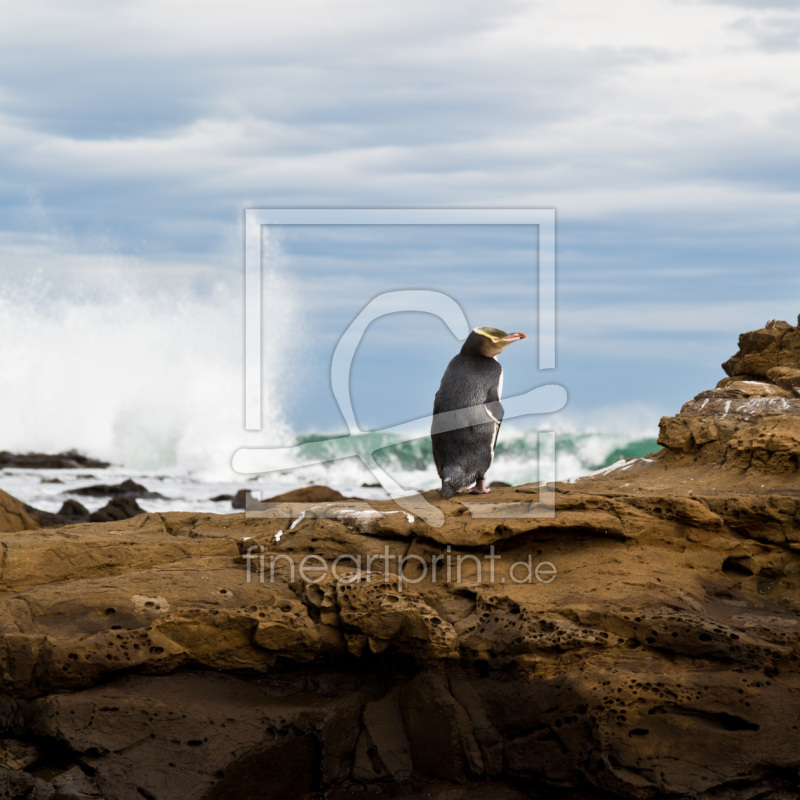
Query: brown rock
(786, 377)
(733, 387)
(634, 636)
(761, 350)
(14, 516)
(749, 424)
(308, 494)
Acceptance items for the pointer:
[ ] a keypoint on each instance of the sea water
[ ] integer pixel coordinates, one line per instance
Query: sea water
(151, 380)
(409, 463)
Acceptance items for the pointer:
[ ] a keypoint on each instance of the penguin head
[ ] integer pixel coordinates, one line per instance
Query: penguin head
(489, 342)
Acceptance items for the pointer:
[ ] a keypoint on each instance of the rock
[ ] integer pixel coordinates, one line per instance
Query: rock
(733, 387)
(116, 509)
(72, 509)
(750, 424)
(633, 634)
(16, 755)
(14, 515)
(786, 377)
(761, 350)
(221, 498)
(69, 460)
(240, 499)
(308, 494)
(679, 630)
(127, 488)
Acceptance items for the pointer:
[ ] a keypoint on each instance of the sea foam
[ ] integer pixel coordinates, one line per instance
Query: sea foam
(122, 370)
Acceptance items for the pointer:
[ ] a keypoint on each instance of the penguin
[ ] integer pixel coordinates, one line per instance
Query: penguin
(464, 442)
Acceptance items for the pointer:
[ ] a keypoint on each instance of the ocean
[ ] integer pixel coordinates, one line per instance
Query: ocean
(151, 381)
(409, 463)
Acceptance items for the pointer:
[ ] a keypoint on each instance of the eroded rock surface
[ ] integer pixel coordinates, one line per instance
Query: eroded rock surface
(14, 515)
(751, 418)
(636, 636)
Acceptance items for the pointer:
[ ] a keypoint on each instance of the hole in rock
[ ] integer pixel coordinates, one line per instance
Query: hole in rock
(734, 565)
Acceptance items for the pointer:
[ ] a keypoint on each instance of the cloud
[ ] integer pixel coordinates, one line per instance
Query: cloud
(775, 33)
(513, 103)
(758, 5)
(132, 138)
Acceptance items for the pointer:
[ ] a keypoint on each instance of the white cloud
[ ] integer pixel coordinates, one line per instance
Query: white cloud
(141, 130)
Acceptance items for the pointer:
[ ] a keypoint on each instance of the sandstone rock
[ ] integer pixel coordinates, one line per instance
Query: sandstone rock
(761, 350)
(732, 387)
(634, 634)
(14, 516)
(749, 424)
(308, 494)
(786, 377)
(686, 641)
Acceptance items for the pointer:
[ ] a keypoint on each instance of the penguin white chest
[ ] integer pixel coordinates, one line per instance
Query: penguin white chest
(499, 397)
(494, 442)
(493, 417)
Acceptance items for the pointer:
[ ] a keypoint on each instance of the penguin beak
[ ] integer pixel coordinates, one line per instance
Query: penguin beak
(513, 337)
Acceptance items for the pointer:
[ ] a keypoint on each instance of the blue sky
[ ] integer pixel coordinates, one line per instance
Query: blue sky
(134, 134)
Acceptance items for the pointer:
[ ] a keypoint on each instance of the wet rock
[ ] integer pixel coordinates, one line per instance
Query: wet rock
(240, 499)
(116, 509)
(128, 488)
(69, 460)
(73, 510)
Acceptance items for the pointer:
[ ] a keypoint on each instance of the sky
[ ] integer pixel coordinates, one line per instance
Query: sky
(133, 136)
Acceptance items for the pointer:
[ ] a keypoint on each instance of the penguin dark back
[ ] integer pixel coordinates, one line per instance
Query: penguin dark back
(472, 385)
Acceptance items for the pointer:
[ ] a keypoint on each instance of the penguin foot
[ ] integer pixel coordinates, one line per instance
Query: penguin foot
(480, 487)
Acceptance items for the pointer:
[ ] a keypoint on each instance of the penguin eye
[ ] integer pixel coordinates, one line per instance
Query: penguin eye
(495, 339)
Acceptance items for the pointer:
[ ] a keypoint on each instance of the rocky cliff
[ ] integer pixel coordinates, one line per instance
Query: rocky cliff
(633, 634)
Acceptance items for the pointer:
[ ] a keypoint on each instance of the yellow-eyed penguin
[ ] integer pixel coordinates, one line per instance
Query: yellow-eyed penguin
(471, 386)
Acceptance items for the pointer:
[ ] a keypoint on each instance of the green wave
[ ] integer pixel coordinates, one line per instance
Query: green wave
(416, 454)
